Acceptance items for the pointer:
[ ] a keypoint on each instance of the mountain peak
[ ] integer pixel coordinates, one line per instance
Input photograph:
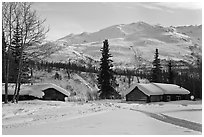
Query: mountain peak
(139, 23)
(70, 35)
(84, 33)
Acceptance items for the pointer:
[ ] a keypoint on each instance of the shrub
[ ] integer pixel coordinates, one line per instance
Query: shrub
(92, 95)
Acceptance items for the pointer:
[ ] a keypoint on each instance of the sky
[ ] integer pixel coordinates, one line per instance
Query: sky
(64, 18)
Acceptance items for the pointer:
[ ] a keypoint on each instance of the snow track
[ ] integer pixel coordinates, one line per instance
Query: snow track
(175, 121)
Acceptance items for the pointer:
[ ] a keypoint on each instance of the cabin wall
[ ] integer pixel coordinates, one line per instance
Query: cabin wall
(136, 95)
(156, 98)
(21, 97)
(53, 94)
(10, 97)
(174, 97)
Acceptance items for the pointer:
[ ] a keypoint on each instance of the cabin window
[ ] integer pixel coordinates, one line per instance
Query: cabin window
(178, 97)
(168, 98)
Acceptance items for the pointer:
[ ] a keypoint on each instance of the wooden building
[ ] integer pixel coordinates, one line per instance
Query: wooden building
(44, 91)
(53, 94)
(153, 92)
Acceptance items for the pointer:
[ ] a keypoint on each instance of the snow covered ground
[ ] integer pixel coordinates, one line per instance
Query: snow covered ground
(104, 117)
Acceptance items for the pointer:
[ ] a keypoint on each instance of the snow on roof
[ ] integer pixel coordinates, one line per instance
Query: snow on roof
(158, 89)
(171, 88)
(34, 90)
(150, 89)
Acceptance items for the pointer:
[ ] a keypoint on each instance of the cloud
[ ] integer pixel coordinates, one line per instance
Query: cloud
(135, 5)
(149, 6)
(154, 6)
(170, 6)
(180, 5)
(41, 6)
(125, 5)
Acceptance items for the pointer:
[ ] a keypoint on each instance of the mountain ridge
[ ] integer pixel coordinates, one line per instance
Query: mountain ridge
(126, 40)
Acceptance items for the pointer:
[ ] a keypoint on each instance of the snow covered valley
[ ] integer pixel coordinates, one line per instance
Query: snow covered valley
(103, 117)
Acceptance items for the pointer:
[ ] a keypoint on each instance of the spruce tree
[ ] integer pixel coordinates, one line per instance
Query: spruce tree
(170, 73)
(20, 65)
(105, 76)
(4, 66)
(16, 52)
(156, 70)
(3, 56)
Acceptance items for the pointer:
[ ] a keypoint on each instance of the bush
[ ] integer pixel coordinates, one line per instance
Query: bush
(92, 95)
(76, 99)
(57, 76)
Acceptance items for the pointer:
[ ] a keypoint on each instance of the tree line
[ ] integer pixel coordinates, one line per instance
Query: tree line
(171, 76)
(190, 78)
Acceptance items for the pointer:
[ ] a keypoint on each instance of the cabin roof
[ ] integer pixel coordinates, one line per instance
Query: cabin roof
(35, 90)
(158, 89)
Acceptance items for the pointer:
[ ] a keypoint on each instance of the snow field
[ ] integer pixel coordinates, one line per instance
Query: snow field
(97, 117)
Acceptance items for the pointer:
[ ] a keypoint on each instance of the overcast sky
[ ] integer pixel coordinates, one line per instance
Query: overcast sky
(64, 18)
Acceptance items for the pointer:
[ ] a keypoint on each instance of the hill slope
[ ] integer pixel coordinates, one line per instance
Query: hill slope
(128, 42)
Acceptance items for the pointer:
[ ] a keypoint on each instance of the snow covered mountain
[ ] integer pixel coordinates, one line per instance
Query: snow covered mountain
(128, 42)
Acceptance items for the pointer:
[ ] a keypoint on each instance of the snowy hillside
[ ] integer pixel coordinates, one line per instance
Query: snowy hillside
(125, 40)
(79, 84)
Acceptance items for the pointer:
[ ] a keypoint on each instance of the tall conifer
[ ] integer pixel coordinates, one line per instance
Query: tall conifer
(156, 70)
(105, 77)
(4, 66)
(170, 73)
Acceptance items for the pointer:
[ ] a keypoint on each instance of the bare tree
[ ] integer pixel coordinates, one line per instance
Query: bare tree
(32, 36)
(8, 20)
(138, 60)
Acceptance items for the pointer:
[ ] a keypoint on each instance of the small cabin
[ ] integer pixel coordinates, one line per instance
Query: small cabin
(44, 91)
(53, 94)
(155, 92)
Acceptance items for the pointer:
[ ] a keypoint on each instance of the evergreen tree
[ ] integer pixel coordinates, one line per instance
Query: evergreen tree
(4, 66)
(156, 70)
(105, 76)
(16, 52)
(3, 56)
(170, 73)
(20, 64)
(16, 55)
(16, 43)
(199, 69)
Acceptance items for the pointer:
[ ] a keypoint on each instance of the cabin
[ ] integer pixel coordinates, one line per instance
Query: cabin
(155, 92)
(53, 94)
(44, 91)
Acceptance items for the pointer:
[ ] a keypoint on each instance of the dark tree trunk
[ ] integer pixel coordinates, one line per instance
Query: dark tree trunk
(18, 81)
(6, 75)
(4, 66)
(31, 73)
(18, 90)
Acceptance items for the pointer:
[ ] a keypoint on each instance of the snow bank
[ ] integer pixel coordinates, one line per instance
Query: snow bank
(192, 115)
